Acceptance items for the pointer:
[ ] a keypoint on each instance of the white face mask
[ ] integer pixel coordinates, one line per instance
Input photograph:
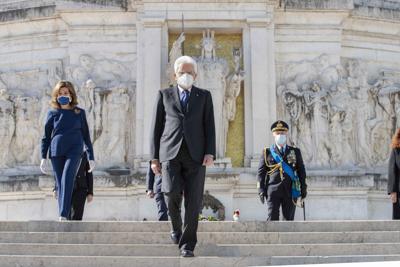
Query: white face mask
(185, 81)
(280, 139)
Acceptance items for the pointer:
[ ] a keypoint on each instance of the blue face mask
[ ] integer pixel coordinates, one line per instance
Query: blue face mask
(64, 100)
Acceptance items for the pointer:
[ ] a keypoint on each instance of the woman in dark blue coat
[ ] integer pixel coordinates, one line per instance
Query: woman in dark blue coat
(393, 187)
(66, 132)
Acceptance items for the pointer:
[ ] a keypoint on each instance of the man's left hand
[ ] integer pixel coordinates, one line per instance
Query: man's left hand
(89, 198)
(208, 160)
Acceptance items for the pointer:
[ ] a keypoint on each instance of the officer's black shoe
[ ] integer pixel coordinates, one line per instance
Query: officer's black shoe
(175, 237)
(187, 253)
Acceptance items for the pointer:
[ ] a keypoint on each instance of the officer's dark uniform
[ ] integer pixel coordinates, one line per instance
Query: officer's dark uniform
(275, 189)
(153, 183)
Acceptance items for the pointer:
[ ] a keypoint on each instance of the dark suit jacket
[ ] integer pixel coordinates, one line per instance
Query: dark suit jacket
(273, 184)
(393, 172)
(171, 124)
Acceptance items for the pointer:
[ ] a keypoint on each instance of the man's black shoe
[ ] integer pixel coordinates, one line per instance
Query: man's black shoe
(175, 237)
(187, 253)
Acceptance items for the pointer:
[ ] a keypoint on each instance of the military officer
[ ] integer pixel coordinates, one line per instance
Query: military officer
(281, 175)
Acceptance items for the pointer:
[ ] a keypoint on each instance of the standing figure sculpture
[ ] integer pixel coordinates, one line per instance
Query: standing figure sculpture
(7, 126)
(234, 82)
(212, 76)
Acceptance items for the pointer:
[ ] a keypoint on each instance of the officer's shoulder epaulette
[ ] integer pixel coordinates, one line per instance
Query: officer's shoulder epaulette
(292, 146)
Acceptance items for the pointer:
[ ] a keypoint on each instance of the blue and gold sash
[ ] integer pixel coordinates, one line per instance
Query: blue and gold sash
(283, 166)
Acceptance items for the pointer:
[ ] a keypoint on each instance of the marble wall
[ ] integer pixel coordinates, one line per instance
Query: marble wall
(96, 51)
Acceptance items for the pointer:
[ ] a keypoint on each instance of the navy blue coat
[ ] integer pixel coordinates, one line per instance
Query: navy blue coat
(394, 171)
(65, 133)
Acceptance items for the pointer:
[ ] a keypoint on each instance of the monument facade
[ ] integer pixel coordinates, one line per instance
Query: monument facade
(327, 67)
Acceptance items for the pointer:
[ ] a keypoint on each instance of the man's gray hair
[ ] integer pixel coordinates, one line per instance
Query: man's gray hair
(185, 60)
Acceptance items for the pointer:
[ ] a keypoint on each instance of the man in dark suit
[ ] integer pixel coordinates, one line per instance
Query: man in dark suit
(183, 140)
(153, 184)
(278, 185)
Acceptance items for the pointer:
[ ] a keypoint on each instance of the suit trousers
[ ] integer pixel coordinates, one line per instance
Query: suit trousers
(275, 202)
(188, 176)
(161, 207)
(396, 209)
(65, 169)
(78, 203)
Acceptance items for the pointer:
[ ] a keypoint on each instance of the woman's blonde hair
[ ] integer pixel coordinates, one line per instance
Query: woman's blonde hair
(396, 139)
(56, 92)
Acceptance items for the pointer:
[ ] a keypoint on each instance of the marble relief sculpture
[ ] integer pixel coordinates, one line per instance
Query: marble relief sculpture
(104, 88)
(104, 72)
(340, 114)
(25, 144)
(24, 101)
(214, 75)
(7, 127)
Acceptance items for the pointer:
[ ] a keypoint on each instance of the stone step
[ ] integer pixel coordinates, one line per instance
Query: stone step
(104, 261)
(203, 237)
(227, 226)
(224, 250)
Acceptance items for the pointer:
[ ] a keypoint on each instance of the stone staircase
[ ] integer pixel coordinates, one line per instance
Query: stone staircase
(127, 244)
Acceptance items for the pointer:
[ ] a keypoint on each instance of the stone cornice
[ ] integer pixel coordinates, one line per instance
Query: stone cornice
(204, 1)
(14, 10)
(318, 4)
(27, 13)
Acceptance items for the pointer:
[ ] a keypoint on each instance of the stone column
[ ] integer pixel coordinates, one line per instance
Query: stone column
(260, 105)
(150, 43)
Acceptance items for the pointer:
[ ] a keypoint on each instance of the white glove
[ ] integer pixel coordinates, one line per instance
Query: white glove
(92, 164)
(43, 166)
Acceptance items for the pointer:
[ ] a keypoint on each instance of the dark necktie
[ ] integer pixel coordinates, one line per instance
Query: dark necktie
(184, 99)
(281, 150)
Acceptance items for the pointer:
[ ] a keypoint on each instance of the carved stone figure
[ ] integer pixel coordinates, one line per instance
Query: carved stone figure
(7, 127)
(105, 73)
(213, 75)
(316, 100)
(117, 107)
(25, 145)
(174, 54)
(112, 141)
(358, 86)
(212, 72)
(234, 81)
